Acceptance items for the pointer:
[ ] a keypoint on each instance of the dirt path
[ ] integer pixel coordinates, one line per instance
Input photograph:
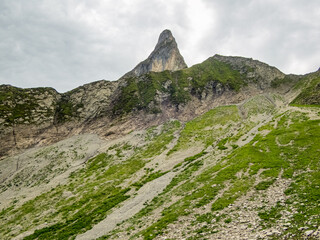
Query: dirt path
(130, 207)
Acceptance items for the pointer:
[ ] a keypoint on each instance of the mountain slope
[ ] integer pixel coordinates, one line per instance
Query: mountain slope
(225, 149)
(207, 175)
(106, 108)
(310, 94)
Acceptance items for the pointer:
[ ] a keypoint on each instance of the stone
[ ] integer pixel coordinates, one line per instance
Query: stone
(165, 56)
(309, 232)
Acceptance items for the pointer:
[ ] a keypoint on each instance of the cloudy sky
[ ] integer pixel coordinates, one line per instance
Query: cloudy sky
(65, 44)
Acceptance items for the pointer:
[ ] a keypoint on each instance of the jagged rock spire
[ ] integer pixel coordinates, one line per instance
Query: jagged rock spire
(165, 56)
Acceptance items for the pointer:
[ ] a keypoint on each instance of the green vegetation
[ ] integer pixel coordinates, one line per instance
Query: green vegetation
(213, 70)
(271, 215)
(82, 220)
(17, 105)
(264, 184)
(238, 188)
(139, 93)
(277, 82)
(210, 182)
(148, 178)
(66, 110)
(93, 190)
(310, 95)
(221, 144)
(207, 128)
(258, 105)
(207, 217)
(195, 157)
(262, 153)
(289, 151)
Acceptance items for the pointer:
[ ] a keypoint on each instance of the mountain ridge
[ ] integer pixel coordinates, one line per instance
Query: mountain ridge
(225, 149)
(216, 81)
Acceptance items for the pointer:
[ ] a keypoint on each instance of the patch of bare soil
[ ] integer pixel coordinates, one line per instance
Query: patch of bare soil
(34, 167)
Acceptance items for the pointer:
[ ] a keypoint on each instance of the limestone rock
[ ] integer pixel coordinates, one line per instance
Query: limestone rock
(27, 106)
(91, 100)
(165, 56)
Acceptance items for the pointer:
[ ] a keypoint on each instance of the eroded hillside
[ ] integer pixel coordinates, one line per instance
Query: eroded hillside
(41, 116)
(247, 171)
(226, 149)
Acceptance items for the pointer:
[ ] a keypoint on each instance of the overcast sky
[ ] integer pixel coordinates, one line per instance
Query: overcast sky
(65, 44)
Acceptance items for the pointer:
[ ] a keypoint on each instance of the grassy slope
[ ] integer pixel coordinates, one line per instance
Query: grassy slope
(298, 161)
(209, 179)
(93, 190)
(310, 94)
(202, 129)
(289, 151)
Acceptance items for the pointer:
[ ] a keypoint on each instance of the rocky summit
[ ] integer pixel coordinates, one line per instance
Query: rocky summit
(225, 149)
(165, 56)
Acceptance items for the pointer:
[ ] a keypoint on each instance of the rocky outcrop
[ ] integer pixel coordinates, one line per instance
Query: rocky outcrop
(165, 56)
(146, 96)
(40, 116)
(87, 102)
(24, 115)
(27, 106)
(35, 117)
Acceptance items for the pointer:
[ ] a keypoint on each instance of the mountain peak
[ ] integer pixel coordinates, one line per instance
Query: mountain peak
(165, 36)
(165, 56)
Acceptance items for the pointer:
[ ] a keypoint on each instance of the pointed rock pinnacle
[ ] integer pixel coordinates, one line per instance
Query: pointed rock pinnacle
(165, 56)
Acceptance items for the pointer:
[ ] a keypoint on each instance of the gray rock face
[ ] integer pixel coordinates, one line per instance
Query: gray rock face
(93, 99)
(27, 106)
(165, 56)
(38, 116)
